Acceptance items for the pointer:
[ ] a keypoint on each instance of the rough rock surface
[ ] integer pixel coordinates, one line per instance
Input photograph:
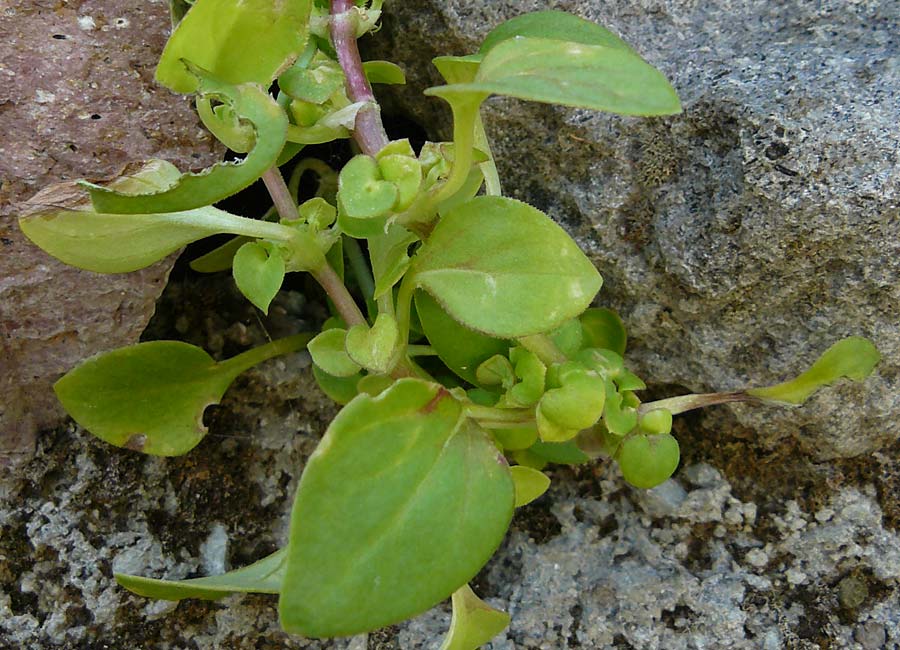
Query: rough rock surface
(754, 544)
(742, 238)
(77, 98)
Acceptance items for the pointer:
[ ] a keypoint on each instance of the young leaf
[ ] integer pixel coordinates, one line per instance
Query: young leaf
(599, 77)
(390, 259)
(515, 438)
(473, 623)
(374, 348)
(647, 461)
(251, 104)
(150, 397)
(576, 405)
(619, 418)
(853, 358)
(384, 72)
(556, 25)
(530, 484)
(460, 348)
(236, 40)
(264, 576)
(429, 501)
(603, 329)
(505, 269)
(258, 272)
(329, 351)
(362, 192)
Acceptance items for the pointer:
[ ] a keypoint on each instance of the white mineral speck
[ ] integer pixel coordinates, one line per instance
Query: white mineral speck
(757, 558)
(86, 23)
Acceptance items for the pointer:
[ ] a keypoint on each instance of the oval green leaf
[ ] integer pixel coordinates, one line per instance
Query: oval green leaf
(598, 77)
(647, 461)
(473, 623)
(150, 397)
(248, 102)
(504, 268)
(852, 358)
(237, 40)
(603, 328)
(264, 576)
(460, 348)
(429, 501)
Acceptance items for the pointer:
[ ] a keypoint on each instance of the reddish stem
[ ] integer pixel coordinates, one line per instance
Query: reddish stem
(369, 131)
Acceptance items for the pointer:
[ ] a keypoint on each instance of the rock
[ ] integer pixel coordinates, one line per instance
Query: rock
(77, 99)
(742, 238)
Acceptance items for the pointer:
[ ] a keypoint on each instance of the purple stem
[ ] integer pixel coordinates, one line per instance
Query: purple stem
(369, 132)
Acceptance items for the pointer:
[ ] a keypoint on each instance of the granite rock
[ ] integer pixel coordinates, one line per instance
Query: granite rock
(77, 99)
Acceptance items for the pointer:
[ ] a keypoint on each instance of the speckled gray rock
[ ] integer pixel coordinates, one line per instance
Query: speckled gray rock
(77, 99)
(742, 238)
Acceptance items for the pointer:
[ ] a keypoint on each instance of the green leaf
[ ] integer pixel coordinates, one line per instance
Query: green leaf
(598, 77)
(460, 348)
(504, 268)
(531, 371)
(362, 192)
(603, 329)
(390, 258)
(563, 453)
(515, 438)
(251, 104)
(556, 25)
(473, 623)
(258, 272)
(657, 421)
(852, 358)
(403, 501)
(576, 405)
(340, 389)
(530, 484)
(237, 40)
(264, 576)
(647, 461)
(120, 243)
(150, 397)
(220, 258)
(374, 348)
(384, 72)
(329, 351)
(458, 69)
(619, 418)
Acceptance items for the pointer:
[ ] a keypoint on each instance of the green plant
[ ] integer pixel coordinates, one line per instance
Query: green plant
(410, 490)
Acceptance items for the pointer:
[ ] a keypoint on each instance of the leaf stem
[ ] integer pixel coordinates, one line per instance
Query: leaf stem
(369, 130)
(343, 301)
(360, 267)
(281, 195)
(246, 360)
(682, 403)
(497, 416)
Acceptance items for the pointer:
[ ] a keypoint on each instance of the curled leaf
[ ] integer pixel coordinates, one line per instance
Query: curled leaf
(248, 102)
(473, 623)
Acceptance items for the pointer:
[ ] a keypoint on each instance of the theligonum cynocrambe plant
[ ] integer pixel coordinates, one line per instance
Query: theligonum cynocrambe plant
(414, 483)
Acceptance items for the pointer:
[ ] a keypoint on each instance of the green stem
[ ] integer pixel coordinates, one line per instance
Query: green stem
(360, 267)
(544, 347)
(421, 351)
(465, 114)
(246, 360)
(489, 168)
(281, 195)
(495, 416)
(682, 403)
(343, 301)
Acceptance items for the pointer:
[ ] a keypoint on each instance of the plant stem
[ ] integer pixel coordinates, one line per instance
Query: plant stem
(360, 267)
(281, 195)
(246, 360)
(509, 417)
(682, 403)
(339, 295)
(369, 131)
